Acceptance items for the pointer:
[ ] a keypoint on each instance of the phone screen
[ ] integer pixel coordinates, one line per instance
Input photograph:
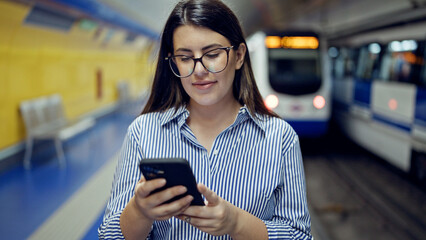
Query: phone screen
(176, 171)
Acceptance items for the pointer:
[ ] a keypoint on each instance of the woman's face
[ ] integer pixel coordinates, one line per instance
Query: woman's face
(206, 88)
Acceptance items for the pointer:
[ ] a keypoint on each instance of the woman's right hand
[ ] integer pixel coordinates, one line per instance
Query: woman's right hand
(153, 206)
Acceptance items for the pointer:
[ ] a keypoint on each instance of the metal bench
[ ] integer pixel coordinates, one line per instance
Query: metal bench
(44, 119)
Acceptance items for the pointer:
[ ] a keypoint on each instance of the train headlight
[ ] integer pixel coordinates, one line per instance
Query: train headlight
(271, 101)
(319, 102)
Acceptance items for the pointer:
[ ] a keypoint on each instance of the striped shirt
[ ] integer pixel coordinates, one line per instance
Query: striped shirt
(255, 164)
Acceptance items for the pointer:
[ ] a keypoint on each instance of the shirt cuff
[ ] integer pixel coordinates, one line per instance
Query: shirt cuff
(110, 228)
(281, 230)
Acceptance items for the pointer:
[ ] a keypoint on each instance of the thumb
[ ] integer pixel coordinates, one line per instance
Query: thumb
(211, 197)
(142, 179)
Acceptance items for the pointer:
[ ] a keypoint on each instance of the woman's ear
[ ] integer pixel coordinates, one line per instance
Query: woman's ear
(241, 53)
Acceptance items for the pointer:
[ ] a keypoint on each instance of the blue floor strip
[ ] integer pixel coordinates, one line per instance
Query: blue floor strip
(93, 231)
(29, 197)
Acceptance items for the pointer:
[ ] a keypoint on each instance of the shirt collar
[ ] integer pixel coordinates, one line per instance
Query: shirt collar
(258, 119)
(171, 114)
(182, 113)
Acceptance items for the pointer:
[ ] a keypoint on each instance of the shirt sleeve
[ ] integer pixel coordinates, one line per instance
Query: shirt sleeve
(126, 176)
(291, 218)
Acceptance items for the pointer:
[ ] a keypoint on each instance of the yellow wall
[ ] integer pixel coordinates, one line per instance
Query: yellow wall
(37, 61)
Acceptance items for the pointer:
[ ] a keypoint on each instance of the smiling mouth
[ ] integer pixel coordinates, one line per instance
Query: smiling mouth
(204, 84)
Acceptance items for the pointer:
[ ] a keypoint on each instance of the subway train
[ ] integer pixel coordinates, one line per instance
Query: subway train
(379, 86)
(290, 71)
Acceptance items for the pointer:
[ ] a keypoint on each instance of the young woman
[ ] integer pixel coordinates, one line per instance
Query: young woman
(205, 107)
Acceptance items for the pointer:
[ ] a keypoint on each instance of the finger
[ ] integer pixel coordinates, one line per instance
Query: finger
(206, 225)
(167, 194)
(175, 208)
(182, 217)
(186, 218)
(211, 197)
(142, 179)
(146, 187)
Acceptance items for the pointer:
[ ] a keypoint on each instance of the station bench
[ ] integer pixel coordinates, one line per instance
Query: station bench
(44, 118)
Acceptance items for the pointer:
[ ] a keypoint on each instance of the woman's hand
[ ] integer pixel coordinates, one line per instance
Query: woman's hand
(218, 217)
(141, 211)
(152, 206)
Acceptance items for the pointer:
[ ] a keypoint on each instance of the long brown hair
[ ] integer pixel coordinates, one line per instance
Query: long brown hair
(167, 90)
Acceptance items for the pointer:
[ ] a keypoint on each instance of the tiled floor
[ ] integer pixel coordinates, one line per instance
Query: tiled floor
(30, 199)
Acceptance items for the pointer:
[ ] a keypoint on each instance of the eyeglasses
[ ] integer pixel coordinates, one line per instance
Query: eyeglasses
(214, 61)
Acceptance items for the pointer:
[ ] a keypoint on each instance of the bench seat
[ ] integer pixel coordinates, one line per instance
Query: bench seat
(44, 119)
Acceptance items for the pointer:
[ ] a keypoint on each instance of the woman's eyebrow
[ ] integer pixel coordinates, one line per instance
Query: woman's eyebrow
(203, 49)
(211, 46)
(183, 50)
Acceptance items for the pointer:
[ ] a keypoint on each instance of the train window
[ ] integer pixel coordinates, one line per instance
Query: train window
(421, 56)
(403, 62)
(294, 72)
(423, 78)
(368, 62)
(333, 54)
(423, 64)
(344, 64)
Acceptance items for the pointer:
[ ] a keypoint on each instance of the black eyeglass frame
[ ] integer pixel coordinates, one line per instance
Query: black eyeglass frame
(195, 60)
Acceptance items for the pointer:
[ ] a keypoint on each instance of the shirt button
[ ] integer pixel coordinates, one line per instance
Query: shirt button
(215, 152)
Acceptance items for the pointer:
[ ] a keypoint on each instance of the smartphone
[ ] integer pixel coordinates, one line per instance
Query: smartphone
(176, 171)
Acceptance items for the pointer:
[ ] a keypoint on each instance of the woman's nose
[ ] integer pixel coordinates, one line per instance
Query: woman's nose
(199, 68)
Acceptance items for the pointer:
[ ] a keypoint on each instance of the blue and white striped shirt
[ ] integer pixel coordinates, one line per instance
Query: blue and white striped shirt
(255, 164)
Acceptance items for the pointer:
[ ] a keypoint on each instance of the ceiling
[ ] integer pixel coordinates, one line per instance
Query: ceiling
(333, 18)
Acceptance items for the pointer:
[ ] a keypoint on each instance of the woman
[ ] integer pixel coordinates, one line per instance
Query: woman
(205, 107)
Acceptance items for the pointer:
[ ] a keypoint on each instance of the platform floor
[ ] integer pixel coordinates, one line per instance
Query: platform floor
(49, 202)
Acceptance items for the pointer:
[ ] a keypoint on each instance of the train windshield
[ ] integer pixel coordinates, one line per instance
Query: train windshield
(294, 71)
(403, 62)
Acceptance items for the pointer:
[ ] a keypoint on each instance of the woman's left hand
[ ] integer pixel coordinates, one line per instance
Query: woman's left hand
(218, 217)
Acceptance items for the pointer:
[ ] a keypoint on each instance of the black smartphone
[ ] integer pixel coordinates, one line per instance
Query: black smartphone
(176, 171)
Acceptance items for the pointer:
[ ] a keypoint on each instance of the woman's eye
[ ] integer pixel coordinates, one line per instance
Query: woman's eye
(212, 55)
(185, 59)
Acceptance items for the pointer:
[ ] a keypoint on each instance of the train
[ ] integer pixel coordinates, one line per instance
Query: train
(290, 68)
(379, 93)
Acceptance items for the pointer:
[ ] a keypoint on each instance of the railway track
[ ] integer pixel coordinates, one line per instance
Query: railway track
(356, 196)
